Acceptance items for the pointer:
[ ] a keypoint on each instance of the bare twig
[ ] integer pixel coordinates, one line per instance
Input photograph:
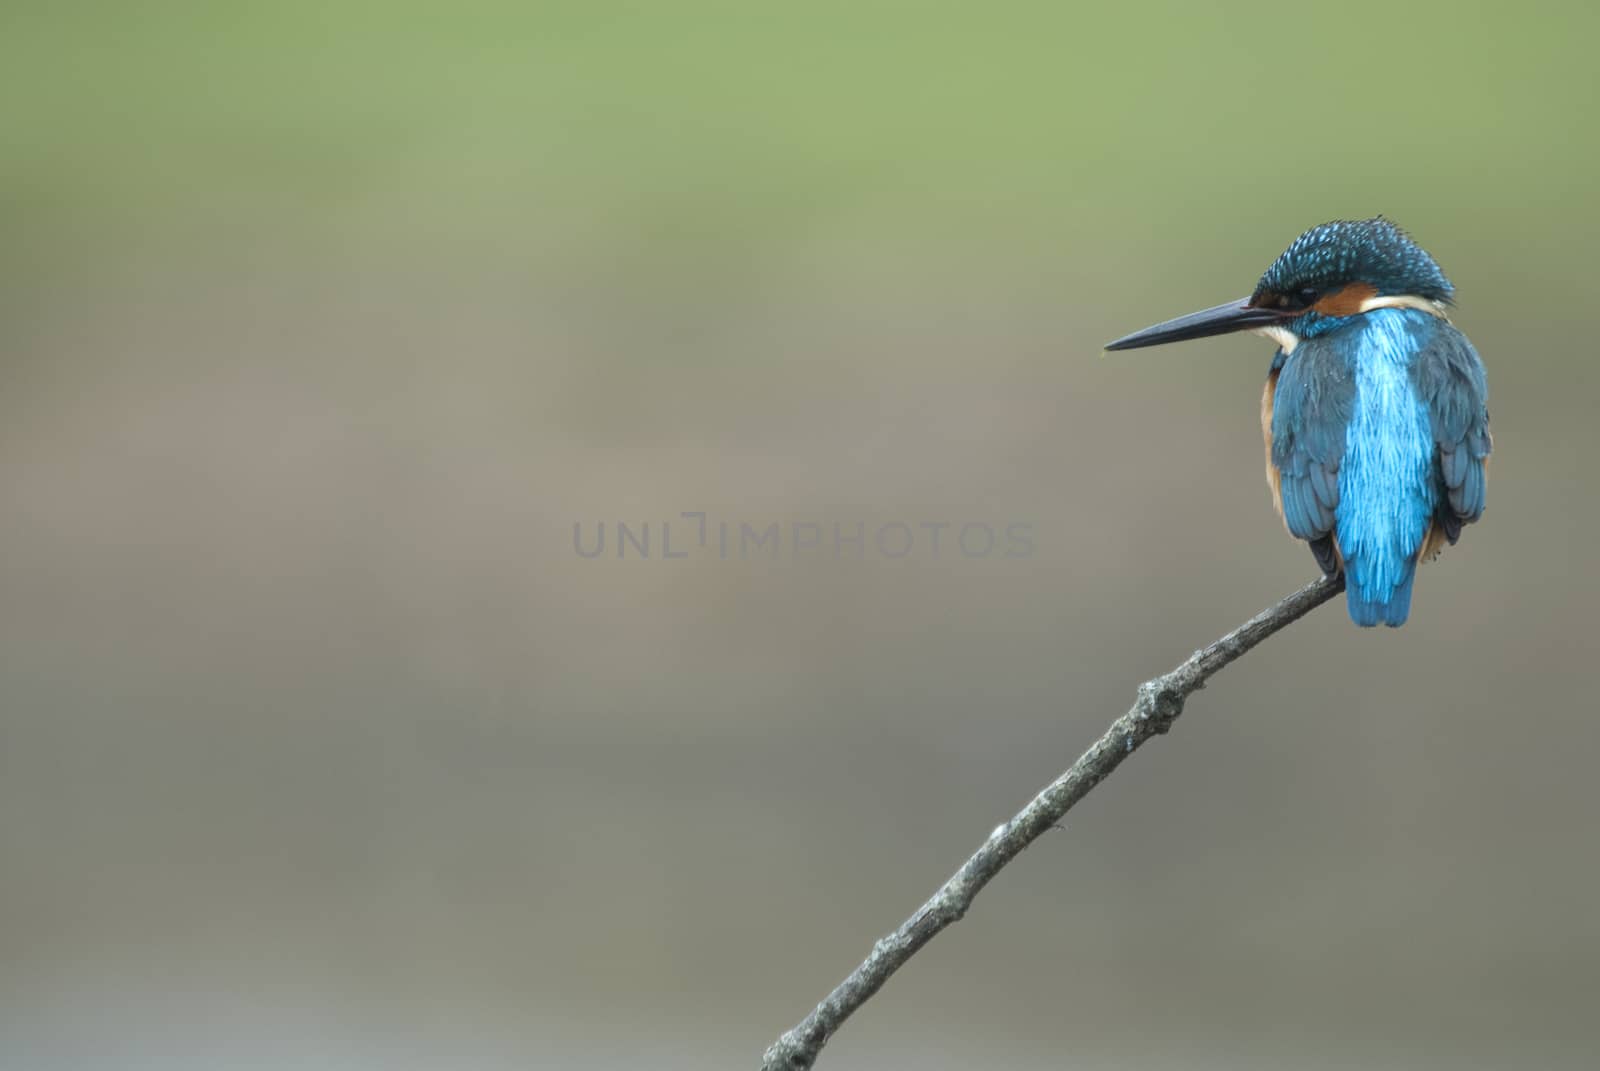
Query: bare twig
(1158, 706)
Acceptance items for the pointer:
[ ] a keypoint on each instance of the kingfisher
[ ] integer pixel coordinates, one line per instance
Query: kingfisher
(1375, 412)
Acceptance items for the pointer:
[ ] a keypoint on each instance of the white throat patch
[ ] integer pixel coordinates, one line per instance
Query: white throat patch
(1286, 339)
(1405, 301)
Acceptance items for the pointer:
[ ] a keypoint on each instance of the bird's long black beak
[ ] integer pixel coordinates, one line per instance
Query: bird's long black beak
(1228, 317)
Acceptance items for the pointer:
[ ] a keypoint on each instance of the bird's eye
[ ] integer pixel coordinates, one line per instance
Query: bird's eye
(1308, 295)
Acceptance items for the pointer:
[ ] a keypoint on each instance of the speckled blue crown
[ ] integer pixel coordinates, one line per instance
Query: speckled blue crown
(1346, 251)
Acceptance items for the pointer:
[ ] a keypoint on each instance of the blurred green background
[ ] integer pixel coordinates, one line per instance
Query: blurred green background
(321, 325)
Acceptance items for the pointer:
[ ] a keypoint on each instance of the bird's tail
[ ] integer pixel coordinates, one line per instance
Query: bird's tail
(1368, 607)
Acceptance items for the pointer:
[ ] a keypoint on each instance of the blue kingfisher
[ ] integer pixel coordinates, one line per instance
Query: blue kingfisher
(1375, 412)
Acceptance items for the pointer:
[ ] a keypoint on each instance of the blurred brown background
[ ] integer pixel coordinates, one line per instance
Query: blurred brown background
(321, 327)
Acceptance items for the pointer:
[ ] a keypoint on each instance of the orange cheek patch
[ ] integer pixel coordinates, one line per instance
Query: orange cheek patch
(1346, 301)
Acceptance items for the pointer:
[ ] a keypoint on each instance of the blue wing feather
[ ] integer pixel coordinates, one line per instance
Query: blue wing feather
(1451, 381)
(1311, 409)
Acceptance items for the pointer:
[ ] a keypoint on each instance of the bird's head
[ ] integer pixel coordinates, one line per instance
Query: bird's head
(1327, 275)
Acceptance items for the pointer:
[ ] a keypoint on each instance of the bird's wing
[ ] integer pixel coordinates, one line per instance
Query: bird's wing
(1450, 380)
(1311, 410)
